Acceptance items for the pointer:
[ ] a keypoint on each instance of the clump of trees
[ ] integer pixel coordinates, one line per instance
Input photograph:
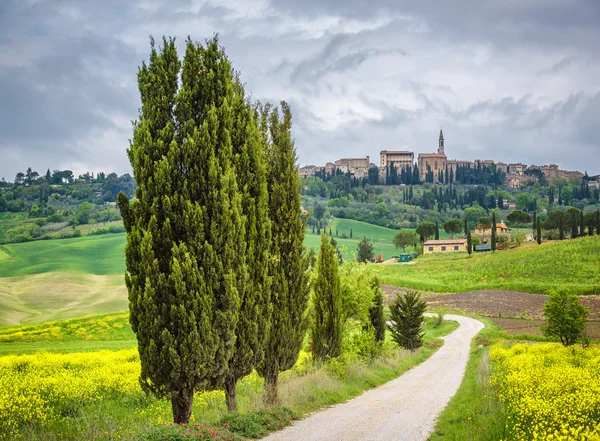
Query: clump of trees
(214, 283)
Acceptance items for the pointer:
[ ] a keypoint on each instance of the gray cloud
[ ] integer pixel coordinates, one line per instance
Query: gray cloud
(507, 80)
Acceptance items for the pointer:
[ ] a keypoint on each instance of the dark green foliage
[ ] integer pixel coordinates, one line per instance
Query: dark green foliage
(539, 232)
(376, 316)
(188, 432)
(350, 233)
(466, 227)
(452, 226)
(426, 229)
(437, 230)
(328, 320)
(598, 222)
(407, 318)
(565, 317)
(366, 251)
(494, 233)
(258, 424)
(518, 218)
(469, 243)
(289, 262)
(185, 277)
(254, 315)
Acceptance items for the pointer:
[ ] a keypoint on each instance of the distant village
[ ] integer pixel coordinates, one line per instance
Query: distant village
(437, 168)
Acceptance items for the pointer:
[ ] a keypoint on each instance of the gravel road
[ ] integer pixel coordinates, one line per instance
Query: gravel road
(404, 409)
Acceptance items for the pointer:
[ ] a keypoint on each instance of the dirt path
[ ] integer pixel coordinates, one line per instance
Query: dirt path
(405, 409)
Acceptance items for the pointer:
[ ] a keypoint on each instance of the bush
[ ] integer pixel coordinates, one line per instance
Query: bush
(188, 432)
(407, 318)
(258, 424)
(565, 316)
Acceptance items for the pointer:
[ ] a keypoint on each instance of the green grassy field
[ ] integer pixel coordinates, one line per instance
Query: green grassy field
(375, 233)
(570, 264)
(92, 254)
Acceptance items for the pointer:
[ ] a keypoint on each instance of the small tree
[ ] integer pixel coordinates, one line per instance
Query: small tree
(350, 233)
(469, 243)
(494, 233)
(426, 229)
(452, 227)
(565, 317)
(484, 223)
(518, 218)
(366, 251)
(407, 317)
(539, 232)
(519, 238)
(404, 239)
(376, 311)
(328, 320)
(437, 230)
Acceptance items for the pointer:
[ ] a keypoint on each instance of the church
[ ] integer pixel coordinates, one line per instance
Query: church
(435, 162)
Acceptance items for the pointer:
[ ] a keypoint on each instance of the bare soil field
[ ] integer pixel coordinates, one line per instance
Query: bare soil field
(515, 312)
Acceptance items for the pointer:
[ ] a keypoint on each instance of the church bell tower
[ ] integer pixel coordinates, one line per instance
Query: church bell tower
(441, 144)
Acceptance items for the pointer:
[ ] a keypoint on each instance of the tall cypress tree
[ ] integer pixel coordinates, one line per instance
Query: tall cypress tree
(494, 233)
(469, 243)
(581, 224)
(254, 316)
(184, 276)
(288, 263)
(598, 222)
(437, 230)
(327, 326)
(539, 232)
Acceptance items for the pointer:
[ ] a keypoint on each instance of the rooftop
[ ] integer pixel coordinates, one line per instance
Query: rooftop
(446, 242)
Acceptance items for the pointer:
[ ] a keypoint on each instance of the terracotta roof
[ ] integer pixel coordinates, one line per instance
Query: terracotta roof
(432, 155)
(446, 242)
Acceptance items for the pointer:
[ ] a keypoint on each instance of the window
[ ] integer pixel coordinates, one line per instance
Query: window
(443, 248)
(455, 247)
(430, 248)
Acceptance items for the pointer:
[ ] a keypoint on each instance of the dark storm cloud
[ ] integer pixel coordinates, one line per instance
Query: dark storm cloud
(508, 80)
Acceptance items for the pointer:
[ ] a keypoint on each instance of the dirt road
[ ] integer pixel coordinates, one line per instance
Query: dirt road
(404, 409)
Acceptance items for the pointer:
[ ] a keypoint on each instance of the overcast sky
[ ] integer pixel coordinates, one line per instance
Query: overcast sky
(509, 80)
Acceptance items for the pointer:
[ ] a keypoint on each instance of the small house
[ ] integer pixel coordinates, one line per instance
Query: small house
(444, 246)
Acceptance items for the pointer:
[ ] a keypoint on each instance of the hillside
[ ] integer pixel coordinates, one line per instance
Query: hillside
(572, 264)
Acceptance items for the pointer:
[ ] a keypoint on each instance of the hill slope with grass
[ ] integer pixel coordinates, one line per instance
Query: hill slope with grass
(570, 264)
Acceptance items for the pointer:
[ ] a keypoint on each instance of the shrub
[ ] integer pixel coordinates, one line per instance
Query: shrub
(565, 316)
(407, 318)
(258, 424)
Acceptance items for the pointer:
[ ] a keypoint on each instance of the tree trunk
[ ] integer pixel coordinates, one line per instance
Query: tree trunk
(231, 394)
(271, 389)
(181, 402)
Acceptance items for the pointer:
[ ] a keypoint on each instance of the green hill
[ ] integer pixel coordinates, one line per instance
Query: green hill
(570, 264)
(374, 233)
(91, 254)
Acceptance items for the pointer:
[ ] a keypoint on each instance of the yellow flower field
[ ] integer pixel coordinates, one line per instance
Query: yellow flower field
(39, 388)
(550, 392)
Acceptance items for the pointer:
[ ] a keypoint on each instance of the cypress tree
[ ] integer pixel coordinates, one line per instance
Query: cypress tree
(539, 232)
(254, 315)
(183, 276)
(598, 222)
(494, 238)
(327, 326)
(350, 233)
(376, 316)
(289, 262)
(581, 225)
(330, 235)
(534, 223)
(469, 243)
(466, 227)
(437, 230)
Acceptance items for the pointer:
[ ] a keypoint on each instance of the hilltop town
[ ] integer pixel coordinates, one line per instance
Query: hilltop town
(437, 168)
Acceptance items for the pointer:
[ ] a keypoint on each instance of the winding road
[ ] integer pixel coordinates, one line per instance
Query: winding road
(404, 409)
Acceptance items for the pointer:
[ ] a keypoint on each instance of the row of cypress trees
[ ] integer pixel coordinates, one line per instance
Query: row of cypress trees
(216, 268)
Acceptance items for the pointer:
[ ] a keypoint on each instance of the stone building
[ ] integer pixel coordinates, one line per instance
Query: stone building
(398, 159)
(445, 246)
(501, 230)
(434, 161)
(359, 167)
(309, 170)
(516, 168)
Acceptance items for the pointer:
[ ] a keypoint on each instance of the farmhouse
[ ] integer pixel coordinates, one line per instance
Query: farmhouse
(444, 246)
(501, 230)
